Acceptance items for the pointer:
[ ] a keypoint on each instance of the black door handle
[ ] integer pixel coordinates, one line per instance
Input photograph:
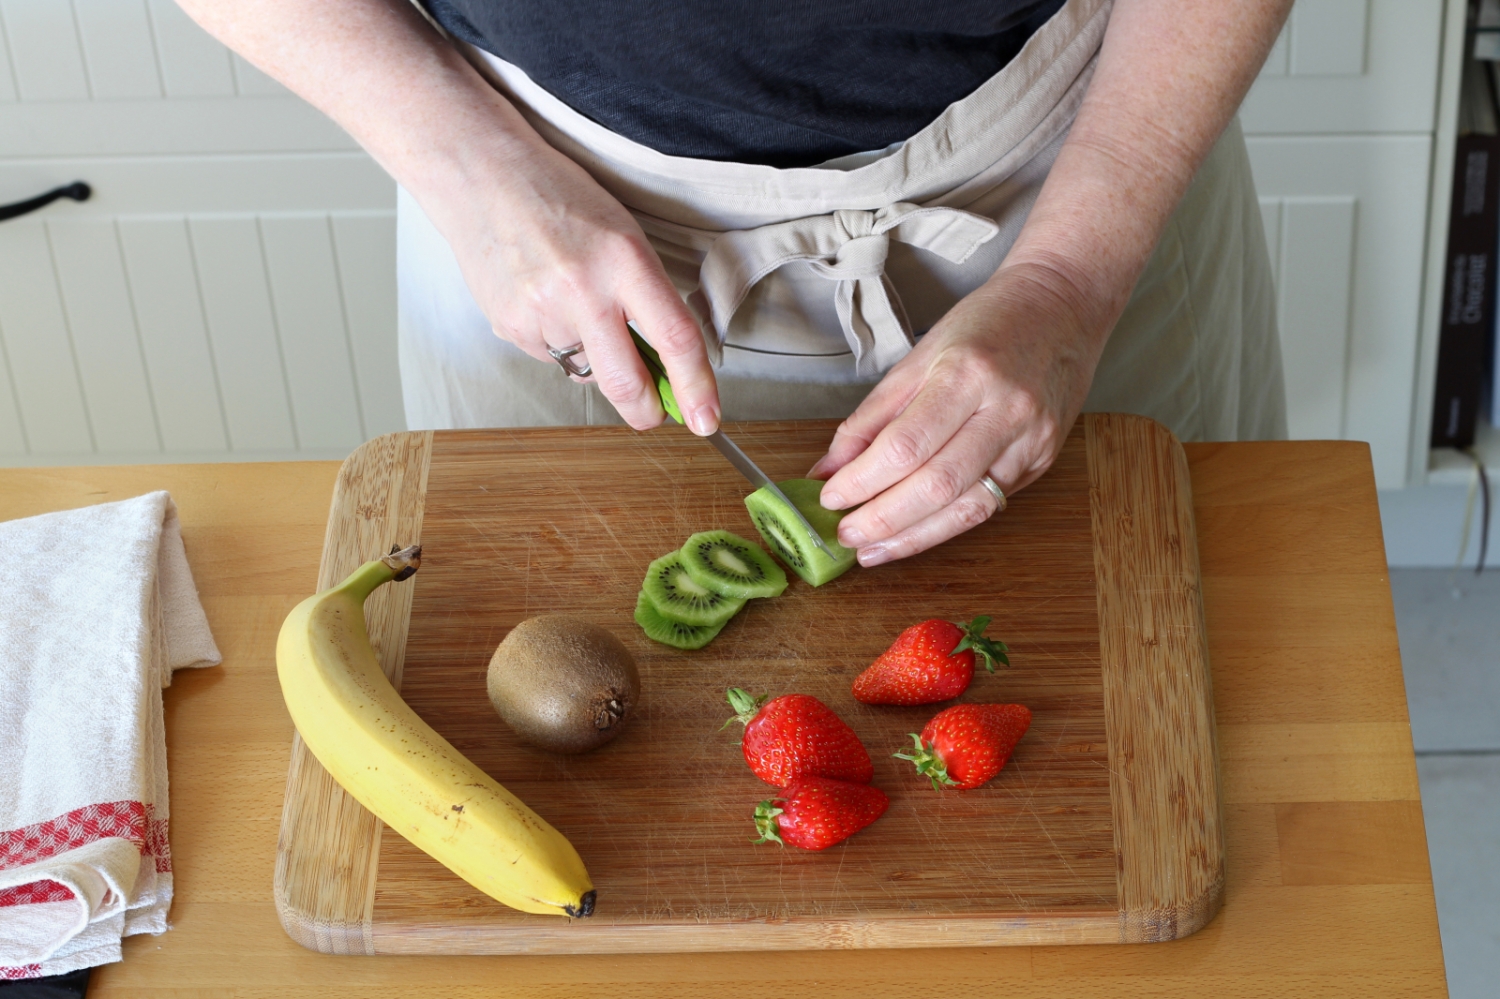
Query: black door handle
(78, 191)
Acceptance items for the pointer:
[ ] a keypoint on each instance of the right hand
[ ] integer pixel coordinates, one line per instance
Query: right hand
(552, 259)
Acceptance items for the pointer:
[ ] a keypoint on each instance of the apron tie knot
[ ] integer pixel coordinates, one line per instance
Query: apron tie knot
(848, 248)
(861, 257)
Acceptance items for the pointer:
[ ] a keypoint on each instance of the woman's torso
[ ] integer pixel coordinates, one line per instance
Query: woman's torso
(775, 82)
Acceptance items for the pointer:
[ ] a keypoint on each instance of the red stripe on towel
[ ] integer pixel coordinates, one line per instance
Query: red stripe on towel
(23, 971)
(80, 827)
(156, 841)
(36, 891)
(131, 820)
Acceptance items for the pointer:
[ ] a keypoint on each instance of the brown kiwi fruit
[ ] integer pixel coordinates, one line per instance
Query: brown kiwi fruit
(563, 683)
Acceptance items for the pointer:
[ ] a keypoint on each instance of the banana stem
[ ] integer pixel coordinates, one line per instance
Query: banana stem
(404, 561)
(398, 565)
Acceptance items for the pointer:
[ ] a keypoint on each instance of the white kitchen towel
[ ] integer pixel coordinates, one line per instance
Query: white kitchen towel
(99, 609)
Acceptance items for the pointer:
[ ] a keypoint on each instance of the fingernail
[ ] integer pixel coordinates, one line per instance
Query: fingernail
(851, 537)
(831, 501)
(704, 420)
(874, 555)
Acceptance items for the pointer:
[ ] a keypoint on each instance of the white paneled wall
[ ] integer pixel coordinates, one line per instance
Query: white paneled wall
(110, 50)
(229, 292)
(201, 336)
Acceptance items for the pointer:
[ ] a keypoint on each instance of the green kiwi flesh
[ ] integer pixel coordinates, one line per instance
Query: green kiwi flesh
(787, 538)
(679, 598)
(673, 633)
(728, 564)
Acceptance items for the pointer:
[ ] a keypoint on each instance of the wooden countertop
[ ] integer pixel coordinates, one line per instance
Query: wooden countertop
(1329, 891)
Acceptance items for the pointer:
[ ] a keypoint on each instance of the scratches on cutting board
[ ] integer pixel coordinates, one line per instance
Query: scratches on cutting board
(662, 815)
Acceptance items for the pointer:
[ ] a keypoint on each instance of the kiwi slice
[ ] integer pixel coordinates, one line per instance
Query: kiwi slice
(679, 598)
(659, 629)
(726, 563)
(789, 540)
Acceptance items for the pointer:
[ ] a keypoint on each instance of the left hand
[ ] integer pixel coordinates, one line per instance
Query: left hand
(992, 389)
(995, 386)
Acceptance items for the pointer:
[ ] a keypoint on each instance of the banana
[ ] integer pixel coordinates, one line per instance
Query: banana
(394, 764)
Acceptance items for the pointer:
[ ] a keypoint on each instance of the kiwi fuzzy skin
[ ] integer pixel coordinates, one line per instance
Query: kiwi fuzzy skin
(563, 683)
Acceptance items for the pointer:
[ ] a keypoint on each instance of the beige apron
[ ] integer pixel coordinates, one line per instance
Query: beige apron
(812, 282)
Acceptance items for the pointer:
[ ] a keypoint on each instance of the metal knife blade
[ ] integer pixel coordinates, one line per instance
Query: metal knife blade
(727, 447)
(751, 471)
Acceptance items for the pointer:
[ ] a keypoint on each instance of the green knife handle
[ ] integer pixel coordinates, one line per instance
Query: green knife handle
(658, 373)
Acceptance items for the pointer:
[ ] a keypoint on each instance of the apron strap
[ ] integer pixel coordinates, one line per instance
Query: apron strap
(849, 249)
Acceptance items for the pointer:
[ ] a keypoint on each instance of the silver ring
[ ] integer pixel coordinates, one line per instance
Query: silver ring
(995, 491)
(564, 358)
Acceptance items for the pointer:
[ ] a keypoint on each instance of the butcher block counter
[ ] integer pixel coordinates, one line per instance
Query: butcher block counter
(1328, 890)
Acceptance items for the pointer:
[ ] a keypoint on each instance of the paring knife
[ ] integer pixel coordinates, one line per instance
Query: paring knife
(727, 447)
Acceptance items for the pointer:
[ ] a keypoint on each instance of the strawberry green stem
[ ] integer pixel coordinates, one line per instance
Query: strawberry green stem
(988, 649)
(746, 706)
(765, 822)
(929, 763)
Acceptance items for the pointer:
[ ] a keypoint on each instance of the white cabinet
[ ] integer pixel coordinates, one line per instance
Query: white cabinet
(1341, 127)
(229, 291)
(1345, 218)
(1349, 67)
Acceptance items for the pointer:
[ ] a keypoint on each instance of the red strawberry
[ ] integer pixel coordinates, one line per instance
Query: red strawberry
(931, 661)
(798, 736)
(967, 744)
(815, 813)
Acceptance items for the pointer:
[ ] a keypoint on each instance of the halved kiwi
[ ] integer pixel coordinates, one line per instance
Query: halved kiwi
(673, 633)
(726, 563)
(679, 598)
(789, 540)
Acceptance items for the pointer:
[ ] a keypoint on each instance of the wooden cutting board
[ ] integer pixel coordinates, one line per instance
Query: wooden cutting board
(1105, 827)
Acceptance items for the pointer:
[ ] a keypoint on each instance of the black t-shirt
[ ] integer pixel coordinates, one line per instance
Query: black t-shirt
(780, 82)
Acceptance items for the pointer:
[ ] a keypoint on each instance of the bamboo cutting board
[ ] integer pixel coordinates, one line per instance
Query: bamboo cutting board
(1105, 826)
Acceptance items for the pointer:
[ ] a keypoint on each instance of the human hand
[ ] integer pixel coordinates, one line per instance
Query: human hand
(992, 389)
(553, 260)
(550, 257)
